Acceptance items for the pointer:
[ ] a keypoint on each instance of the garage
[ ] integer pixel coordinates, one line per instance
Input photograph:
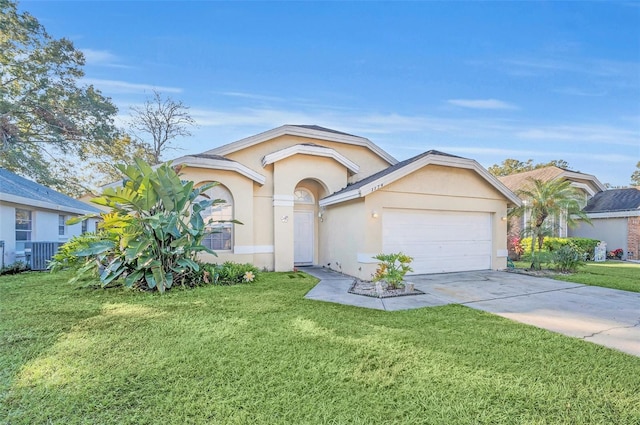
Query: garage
(439, 241)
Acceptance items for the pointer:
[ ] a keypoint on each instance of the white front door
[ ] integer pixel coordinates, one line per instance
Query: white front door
(303, 237)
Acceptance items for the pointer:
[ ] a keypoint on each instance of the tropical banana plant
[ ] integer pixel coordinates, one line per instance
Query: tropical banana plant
(154, 232)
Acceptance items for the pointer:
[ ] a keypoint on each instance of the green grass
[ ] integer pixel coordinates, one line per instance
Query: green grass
(261, 353)
(610, 274)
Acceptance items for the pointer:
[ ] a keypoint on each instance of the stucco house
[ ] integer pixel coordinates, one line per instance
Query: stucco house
(586, 184)
(32, 213)
(615, 219)
(309, 195)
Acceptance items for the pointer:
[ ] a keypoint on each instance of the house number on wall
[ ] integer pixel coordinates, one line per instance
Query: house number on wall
(374, 188)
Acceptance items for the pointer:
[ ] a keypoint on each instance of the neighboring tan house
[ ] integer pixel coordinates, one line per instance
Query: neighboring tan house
(615, 218)
(31, 214)
(309, 195)
(587, 184)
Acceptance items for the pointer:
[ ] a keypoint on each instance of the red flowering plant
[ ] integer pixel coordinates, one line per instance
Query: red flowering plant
(515, 246)
(616, 253)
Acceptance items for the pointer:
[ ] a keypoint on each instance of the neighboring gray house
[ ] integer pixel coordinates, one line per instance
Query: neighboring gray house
(615, 215)
(586, 184)
(32, 213)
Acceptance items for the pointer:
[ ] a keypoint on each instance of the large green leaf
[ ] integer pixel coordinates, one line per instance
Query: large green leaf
(132, 278)
(112, 271)
(76, 220)
(151, 281)
(135, 248)
(159, 277)
(188, 263)
(96, 248)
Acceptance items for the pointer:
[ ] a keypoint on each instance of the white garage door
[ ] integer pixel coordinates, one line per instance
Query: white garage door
(439, 241)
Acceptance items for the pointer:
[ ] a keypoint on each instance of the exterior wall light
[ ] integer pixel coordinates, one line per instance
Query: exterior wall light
(284, 219)
(503, 218)
(374, 214)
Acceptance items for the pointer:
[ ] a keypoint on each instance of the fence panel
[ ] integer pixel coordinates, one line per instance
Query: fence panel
(41, 254)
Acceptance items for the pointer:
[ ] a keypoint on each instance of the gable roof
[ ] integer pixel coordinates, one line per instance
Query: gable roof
(19, 190)
(520, 181)
(311, 149)
(395, 172)
(309, 131)
(218, 162)
(614, 200)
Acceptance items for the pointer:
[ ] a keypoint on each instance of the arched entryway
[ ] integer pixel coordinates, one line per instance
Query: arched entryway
(305, 222)
(303, 227)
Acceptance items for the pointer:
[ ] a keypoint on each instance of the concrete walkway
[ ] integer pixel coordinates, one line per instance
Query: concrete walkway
(604, 316)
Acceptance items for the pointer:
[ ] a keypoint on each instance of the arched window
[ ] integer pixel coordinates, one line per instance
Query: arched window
(302, 196)
(222, 237)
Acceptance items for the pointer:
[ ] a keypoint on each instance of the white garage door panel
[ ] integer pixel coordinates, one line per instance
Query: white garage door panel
(439, 241)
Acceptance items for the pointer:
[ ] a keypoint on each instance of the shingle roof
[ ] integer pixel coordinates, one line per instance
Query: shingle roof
(519, 181)
(614, 200)
(210, 156)
(318, 128)
(390, 170)
(13, 184)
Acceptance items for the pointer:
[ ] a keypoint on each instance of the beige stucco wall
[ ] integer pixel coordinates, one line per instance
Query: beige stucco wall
(241, 189)
(431, 188)
(266, 237)
(339, 247)
(345, 235)
(368, 161)
(287, 175)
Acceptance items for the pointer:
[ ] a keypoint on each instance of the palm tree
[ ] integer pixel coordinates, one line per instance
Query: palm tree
(544, 199)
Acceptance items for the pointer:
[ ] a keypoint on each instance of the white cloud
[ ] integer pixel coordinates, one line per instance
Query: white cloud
(116, 86)
(102, 58)
(583, 134)
(252, 96)
(481, 103)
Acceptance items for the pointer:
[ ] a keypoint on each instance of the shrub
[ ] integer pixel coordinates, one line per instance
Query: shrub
(205, 274)
(567, 258)
(66, 257)
(583, 245)
(392, 268)
(15, 268)
(230, 273)
(154, 233)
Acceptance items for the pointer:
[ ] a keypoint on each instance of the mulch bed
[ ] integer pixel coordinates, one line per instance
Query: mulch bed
(538, 273)
(368, 289)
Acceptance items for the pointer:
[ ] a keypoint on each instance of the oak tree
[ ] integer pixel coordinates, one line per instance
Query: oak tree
(45, 113)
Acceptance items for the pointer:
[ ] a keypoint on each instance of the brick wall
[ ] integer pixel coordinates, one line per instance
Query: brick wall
(633, 238)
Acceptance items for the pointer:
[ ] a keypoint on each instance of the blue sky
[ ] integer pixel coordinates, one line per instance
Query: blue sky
(483, 80)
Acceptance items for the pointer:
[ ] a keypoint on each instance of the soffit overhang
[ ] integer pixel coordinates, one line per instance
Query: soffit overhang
(195, 161)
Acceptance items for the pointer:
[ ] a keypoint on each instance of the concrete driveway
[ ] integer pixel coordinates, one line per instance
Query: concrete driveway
(603, 316)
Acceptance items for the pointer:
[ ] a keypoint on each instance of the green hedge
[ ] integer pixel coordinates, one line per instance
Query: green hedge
(582, 245)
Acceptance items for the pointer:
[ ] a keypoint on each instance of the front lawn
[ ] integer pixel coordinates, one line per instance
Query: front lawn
(261, 353)
(610, 274)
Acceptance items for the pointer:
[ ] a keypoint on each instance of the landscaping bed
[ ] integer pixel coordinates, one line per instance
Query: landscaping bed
(369, 289)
